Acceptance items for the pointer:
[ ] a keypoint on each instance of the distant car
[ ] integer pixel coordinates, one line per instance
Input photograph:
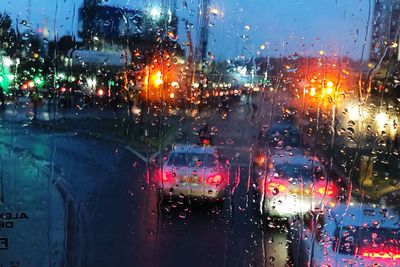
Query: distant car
(293, 185)
(357, 235)
(194, 171)
(279, 136)
(391, 200)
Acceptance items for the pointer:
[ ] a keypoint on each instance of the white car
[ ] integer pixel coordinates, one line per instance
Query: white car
(194, 171)
(354, 235)
(293, 184)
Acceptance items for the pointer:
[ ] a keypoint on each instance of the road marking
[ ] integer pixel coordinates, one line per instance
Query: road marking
(140, 156)
(154, 155)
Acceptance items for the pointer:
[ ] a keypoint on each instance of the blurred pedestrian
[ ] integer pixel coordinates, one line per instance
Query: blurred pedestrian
(35, 99)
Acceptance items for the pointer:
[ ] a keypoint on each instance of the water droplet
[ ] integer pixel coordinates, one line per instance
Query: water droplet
(275, 191)
(150, 232)
(271, 260)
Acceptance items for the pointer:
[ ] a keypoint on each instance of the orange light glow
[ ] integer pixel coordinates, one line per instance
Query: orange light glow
(158, 79)
(260, 159)
(172, 36)
(329, 191)
(329, 90)
(273, 186)
(312, 91)
(31, 84)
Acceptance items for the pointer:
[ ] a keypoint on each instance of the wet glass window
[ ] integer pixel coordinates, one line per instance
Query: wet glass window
(199, 132)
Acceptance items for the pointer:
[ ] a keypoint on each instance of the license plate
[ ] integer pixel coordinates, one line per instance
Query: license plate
(190, 180)
(297, 191)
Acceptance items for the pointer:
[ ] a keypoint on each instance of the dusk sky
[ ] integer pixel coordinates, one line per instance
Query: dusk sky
(282, 26)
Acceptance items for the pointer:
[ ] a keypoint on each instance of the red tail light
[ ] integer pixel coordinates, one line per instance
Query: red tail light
(167, 177)
(273, 187)
(206, 142)
(381, 255)
(100, 92)
(214, 179)
(326, 190)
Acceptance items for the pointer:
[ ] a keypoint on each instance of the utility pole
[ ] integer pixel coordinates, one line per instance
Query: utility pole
(202, 41)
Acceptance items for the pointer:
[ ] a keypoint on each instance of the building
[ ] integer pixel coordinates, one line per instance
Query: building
(104, 27)
(101, 27)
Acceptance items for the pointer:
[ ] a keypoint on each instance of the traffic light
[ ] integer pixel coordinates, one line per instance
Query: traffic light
(5, 78)
(38, 81)
(266, 82)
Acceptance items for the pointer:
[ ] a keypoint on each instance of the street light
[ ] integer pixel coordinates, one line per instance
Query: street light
(91, 82)
(215, 11)
(155, 13)
(381, 121)
(7, 62)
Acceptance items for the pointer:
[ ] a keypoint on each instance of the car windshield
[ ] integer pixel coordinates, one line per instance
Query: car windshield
(298, 171)
(368, 241)
(191, 160)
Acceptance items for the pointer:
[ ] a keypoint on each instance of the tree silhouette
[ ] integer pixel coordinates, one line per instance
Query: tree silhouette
(7, 35)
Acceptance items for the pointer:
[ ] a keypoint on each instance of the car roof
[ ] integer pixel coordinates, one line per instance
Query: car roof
(286, 157)
(362, 215)
(280, 127)
(191, 148)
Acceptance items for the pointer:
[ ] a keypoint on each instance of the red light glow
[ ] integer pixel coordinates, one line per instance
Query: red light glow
(382, 255)
(206, 142)
(100, 92)
(167, 177)
(214, 179)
